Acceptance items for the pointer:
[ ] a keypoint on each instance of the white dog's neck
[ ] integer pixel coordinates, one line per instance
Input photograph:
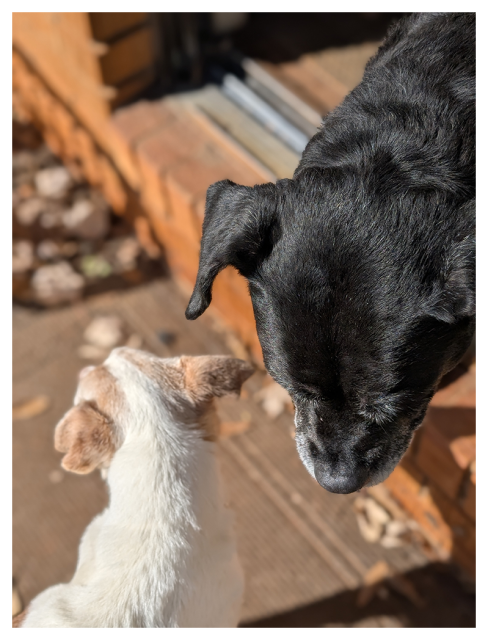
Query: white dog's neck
(151, 477)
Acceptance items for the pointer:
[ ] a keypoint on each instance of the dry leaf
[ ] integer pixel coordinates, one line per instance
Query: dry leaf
(30, 408)
(375, 512)
(382, 496)
(391, 542)
(406, 588)
(373, 582)
(371, 531)
(228, 429)
(372, 518)
(376, 573)
(396, 528)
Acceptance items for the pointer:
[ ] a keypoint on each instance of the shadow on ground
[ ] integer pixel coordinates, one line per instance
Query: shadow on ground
(444, 603)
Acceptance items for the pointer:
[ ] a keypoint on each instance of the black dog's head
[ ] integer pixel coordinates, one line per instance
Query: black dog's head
(360, 309)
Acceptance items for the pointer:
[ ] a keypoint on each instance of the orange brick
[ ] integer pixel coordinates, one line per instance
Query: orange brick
(447, 446)
(463, 529)
(453, 422)
(418, 501)
(467, 500)
(181, 255)
(463, 450)
(153, 196)
(162, 151)
(141, 119)
(187, 184)
(170, 145)
(460, 393)
(435, 459)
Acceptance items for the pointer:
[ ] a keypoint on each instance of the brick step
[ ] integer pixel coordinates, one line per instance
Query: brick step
(436, 480)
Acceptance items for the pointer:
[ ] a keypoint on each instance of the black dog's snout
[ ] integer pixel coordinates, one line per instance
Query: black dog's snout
(340, 483)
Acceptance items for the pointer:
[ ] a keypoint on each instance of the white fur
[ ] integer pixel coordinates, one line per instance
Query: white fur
(163, 553)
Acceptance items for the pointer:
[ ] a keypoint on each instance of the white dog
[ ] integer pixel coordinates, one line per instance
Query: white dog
(163, 553)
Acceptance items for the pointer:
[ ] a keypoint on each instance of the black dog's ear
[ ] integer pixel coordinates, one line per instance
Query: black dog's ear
(456, 297)
(235, 228)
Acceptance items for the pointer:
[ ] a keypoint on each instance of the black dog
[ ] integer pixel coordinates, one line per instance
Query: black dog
(362, 268)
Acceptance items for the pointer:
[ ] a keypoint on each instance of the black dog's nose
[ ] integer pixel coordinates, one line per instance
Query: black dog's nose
(340, 483)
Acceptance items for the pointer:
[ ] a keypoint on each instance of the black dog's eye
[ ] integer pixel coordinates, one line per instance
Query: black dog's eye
(382, 412)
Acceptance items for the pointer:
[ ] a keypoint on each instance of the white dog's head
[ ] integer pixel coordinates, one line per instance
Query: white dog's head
(96, 426)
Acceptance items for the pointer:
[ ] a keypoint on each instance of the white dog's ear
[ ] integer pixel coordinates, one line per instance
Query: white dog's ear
(214, 376)
(86, 436)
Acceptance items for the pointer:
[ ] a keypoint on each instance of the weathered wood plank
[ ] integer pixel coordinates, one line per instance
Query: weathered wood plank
(281, 160)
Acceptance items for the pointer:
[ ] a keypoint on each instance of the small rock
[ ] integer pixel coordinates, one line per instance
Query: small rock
(274, 399)
(24, 191)
(95, 266)
(57, 283)
(22, 256)
(69, 249)
(86, 221)
(29, 210)
(48, 250)
(90, 352)
(104, 332)
(128, 253)
(51, 219)
(23, 161)
(53, 182)
(86, 247)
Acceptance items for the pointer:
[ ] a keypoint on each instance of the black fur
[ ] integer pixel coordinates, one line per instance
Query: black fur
(362, 268)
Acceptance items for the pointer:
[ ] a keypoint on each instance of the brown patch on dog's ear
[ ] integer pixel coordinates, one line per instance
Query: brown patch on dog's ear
(87, 437)
(207, 377)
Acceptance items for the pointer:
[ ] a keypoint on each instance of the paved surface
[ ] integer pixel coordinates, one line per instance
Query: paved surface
(300, 546)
